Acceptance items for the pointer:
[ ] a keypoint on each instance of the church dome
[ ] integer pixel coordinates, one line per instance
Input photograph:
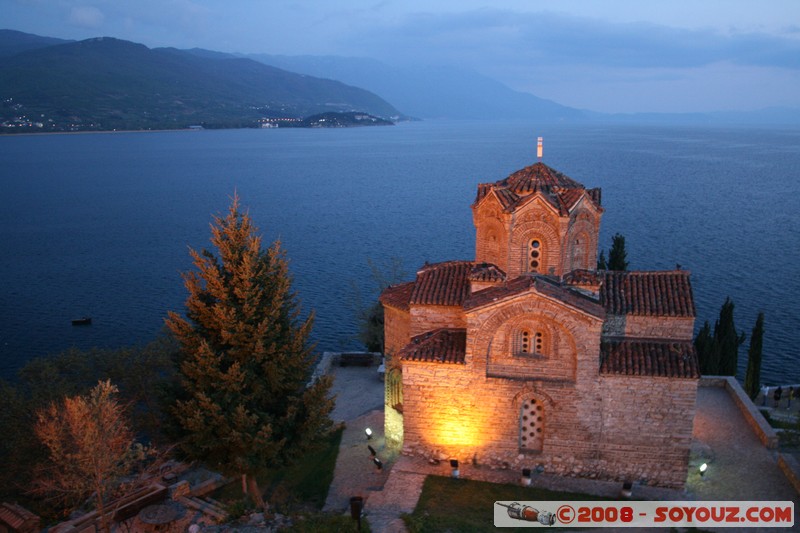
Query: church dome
(557, 188)
(537, 177)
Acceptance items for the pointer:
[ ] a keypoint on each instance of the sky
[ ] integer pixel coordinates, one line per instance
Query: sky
(603, 55)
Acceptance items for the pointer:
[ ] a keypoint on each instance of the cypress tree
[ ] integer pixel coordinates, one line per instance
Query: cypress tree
(245, 405)
(752, 380)
(617, 257)
(601, 261)
(727, 340)
(707, 355)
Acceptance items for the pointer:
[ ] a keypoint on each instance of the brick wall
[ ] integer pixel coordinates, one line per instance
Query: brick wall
(491, 232)
(649, 327)
(647, 428)
(636, 429)
(426, 318)
(397, 327)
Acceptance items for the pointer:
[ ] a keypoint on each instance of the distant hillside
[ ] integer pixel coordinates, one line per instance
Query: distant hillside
(342, 120)
(447, 92)
(13, 42)
(106, 84)
(430, 92)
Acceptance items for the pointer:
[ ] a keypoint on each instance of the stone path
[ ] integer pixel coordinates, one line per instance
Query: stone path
(739, 466)
(355, 473)
(400, 495)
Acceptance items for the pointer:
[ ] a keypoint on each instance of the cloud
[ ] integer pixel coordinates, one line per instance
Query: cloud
(486, 36)
(86, 17)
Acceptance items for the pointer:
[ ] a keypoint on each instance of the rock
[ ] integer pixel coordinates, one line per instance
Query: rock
(256, 519)
(180, 489)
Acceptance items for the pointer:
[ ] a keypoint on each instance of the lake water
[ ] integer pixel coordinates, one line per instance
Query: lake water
(100, 224)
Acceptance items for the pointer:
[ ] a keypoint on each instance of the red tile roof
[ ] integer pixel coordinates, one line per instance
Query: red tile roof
(442, 284)
(537, 177)
(559, 189)
(397, 296)
(629, 357)
(438, 346)
(665, 293)
(486, 272)
(541, 284)
(568, 198)
(583, 277)
(18, 518)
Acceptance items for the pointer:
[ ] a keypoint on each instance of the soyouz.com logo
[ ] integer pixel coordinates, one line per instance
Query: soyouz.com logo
(643, 514)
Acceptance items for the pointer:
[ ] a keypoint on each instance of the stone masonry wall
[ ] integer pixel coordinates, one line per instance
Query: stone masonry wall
(620, 429)
(491, 233)
(397, 327)
(649, 327)
(450, 412)
(426, 318)
(647, 428)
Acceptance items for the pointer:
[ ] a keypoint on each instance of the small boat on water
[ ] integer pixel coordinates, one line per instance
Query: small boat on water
(82, 321)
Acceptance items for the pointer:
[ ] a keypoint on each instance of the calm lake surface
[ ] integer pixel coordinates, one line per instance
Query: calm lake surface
(100, 225)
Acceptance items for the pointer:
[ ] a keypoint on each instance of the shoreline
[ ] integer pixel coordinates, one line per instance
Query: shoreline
(95, 132)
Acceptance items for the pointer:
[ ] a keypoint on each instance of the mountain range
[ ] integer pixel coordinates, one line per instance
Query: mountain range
(431, 92)
(107, 83)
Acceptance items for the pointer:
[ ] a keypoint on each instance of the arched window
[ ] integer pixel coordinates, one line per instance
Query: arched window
(491, 250)
(535, 256)
(394, 389)
(531, 425)
(529, 341)
(580, 252)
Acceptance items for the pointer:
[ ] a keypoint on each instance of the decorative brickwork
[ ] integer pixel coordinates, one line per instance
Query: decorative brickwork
(530, 356)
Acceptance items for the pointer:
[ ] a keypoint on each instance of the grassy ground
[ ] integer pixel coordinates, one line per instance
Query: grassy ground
(324, 523)
(460, 505)
(306, 483)
(301, 487)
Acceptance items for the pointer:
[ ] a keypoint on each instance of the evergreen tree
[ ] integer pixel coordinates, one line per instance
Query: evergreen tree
(727, 340)
(707, 355)
(601, 261)
(718, 353)
(370, 329)
(617, 257)
(370, 317)
(752, 380)
(246, 403)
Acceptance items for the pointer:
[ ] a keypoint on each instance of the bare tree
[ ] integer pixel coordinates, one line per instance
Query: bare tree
(89, 441)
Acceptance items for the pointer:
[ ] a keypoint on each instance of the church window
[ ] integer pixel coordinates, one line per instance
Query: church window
(528, 341)
(535, 255)
(531, 425)
(394, 390)
(580, 252)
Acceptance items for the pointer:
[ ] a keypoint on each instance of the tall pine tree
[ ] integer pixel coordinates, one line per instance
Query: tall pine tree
(752, 379)
(245, 404)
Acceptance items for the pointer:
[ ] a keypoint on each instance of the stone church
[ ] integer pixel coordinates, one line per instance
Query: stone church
(529, 356)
